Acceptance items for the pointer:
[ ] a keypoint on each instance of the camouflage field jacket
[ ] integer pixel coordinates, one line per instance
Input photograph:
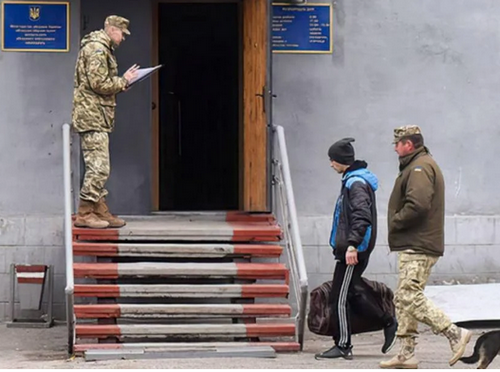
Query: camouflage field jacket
(96, 85)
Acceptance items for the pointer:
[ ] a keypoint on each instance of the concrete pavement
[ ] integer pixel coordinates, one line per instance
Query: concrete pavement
(34, 348)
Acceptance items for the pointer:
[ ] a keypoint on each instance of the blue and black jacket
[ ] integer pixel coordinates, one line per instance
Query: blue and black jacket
(355, 216)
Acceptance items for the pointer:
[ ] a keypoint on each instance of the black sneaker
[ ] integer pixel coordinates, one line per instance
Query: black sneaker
(336, 352)
(390, 336)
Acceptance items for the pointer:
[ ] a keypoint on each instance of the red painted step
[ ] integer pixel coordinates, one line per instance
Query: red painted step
(183, 291)
(176, 250)
(185, 330)
(181, 310)
(183, 228)
(169, 269)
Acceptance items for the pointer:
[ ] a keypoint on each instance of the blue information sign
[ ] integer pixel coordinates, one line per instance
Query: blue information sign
(35, 26)
(302, 28)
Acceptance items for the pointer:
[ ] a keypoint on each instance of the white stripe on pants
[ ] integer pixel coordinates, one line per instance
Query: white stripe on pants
(342, 307)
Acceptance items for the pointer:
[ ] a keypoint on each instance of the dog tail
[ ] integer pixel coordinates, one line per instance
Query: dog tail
(474, 358)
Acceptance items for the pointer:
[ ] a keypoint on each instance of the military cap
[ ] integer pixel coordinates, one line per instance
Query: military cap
(117, 21)
(405, 131)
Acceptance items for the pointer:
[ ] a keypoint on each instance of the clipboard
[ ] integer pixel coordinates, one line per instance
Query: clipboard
(144, 73)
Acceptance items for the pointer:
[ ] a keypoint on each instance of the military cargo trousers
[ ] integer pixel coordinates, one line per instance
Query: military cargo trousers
(411, 304)
(95, 150)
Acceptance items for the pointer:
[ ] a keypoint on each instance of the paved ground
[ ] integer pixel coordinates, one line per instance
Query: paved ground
(31, 348)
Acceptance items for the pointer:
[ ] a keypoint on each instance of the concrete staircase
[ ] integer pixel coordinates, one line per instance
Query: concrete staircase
(183, 281)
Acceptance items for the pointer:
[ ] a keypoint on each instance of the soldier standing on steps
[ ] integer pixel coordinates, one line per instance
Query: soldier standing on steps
(416, 231)
(96, 85)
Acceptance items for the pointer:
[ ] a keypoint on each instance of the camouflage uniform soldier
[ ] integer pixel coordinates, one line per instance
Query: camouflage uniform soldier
(96, 85)
(416, 232)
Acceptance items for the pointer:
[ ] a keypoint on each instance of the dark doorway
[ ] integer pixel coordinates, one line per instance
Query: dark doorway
(199, 116)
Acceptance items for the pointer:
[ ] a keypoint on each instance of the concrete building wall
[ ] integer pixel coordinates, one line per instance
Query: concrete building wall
(422, 62)
(35, 100)
(472, 253)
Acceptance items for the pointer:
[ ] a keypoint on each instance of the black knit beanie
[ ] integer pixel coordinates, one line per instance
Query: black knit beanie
(342, 151)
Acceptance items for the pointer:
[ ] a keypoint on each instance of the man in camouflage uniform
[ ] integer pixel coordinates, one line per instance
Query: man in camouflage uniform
(416, 232)
(96, 85)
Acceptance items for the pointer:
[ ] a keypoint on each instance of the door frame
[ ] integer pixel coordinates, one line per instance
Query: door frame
(252, 196)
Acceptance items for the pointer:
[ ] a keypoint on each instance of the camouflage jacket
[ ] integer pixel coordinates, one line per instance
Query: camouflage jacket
(96, 85)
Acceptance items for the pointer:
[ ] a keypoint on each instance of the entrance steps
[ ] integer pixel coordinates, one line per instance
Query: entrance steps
(171, 282)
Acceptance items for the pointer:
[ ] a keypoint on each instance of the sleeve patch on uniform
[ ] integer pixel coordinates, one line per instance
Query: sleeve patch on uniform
(418, 169)
(99, 51)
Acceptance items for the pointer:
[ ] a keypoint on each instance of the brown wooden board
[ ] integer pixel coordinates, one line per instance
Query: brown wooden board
(255, 56)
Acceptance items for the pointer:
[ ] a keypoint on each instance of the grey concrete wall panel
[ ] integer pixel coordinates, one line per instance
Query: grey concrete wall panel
(423, 62)
(129, 185)
(35, 100)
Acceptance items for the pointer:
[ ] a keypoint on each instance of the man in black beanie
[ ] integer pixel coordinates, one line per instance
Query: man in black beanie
(353, 236)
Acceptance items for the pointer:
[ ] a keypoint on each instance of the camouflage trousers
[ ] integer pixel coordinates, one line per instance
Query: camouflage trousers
(411, 304)
(95, 149)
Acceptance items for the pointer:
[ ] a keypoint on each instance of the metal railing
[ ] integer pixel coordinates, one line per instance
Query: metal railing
(284, 207)
(68, 238)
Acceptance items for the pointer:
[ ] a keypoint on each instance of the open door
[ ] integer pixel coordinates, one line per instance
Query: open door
(256, 105)
(199, 105)
(233, 172)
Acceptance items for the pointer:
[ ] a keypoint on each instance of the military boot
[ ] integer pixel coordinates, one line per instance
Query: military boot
(459, 338)
(102, 211)
(87, 218)
(405, 359)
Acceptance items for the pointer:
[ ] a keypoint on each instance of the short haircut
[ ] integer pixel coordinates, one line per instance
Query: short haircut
(416, 139)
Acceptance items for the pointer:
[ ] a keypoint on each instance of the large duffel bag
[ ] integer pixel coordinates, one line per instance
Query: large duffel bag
(320, 320)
